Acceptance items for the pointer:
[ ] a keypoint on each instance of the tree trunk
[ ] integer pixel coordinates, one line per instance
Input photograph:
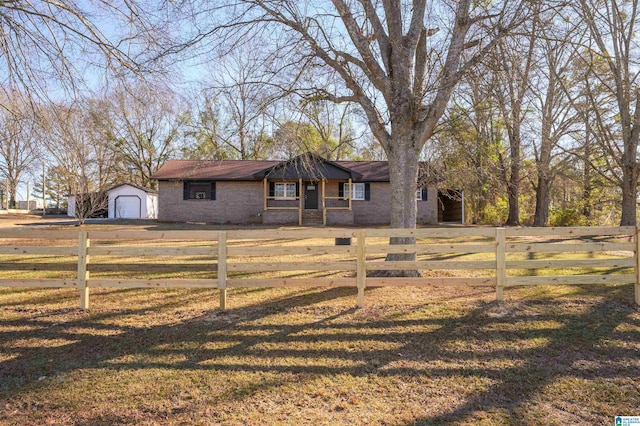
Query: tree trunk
(403, 170)
(403, 173)
(513, 185)
(629, 194)
(586, 173)
(13, 193)
(629, 185)
(541, 216)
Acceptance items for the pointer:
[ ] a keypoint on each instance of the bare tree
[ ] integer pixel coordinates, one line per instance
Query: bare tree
(238, 94)
(79, 157)
(556, 114)
(146, 122)
(335, 126)
(293, 138)
(201, 132)
(511, 90)
(18, 145)
(47, 45)
(398, 60)
(612, 29)
(469, 144)
(593, 147)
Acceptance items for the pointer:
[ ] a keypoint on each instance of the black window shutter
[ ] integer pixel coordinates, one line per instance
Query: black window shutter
(367, 192)
(297, 190)
(272, 189)
(340, 189)
(213, 190)
(425, 194)
(185, 190)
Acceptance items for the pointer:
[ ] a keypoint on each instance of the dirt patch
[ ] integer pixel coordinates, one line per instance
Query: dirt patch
(11, 220)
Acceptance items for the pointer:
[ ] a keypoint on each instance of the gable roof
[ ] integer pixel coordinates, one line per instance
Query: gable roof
(141, 188)
(308, 166)
(252, 170)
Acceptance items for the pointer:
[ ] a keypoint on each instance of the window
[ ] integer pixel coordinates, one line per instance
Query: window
(358, 191)
(199, 190)
(419, 195)
(285, 190)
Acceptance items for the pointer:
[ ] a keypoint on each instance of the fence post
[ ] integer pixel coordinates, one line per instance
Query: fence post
(83, 273)
(361, 267)
(501, 267)
(222, 268)
(637, 253)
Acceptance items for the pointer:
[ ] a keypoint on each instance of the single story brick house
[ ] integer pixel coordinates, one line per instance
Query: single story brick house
(306, 190)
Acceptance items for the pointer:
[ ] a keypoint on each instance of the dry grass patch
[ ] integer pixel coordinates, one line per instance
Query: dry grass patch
(412, 356)
(304, 356)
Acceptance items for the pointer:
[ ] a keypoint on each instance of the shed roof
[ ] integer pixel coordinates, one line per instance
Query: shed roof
(141, 188)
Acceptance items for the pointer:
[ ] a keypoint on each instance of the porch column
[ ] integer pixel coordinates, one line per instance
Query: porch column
(324, 210)
(350, 192)
(300, 203)
(265, 191)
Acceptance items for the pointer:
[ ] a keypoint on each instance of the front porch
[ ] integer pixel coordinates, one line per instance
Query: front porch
(308, 201)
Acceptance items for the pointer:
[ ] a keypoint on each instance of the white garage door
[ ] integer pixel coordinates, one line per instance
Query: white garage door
(127, 207)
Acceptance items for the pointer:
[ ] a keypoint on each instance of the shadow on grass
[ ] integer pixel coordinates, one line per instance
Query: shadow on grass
(296, 336)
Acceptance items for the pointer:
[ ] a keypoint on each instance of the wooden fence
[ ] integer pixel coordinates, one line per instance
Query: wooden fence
(494, 257)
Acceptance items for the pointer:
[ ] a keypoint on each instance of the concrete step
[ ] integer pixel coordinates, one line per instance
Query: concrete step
(312, 217)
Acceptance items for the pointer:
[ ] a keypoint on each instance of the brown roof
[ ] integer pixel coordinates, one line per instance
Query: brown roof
(212, 169)
(245, 169)
(141, 188)
(370, 170)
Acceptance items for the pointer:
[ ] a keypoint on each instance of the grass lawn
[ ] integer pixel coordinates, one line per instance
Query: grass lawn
(561, 355)
(433, 355)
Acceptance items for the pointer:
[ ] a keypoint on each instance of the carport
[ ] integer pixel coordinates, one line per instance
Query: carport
(450, 206)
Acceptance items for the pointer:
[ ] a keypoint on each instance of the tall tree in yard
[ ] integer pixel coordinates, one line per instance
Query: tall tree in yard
(145, 124)
(612, 28)
(513, 61)
(18, 143)
(469, 145)
(244, 90)
(555, 113)
(79, 154)
(398, 60)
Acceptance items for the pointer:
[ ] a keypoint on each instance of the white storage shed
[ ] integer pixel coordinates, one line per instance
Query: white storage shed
(128, 201)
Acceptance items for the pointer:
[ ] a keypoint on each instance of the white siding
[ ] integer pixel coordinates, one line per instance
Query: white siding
(71, 206)
(124, 196)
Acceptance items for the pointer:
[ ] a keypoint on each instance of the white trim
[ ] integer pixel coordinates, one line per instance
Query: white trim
(286, 189)
(354, 192)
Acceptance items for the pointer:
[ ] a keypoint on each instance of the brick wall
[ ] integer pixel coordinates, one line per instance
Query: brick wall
(377, 211)
(428, 210)
(339, 217)
(242, 202)
(236, 202)
(280, 217)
